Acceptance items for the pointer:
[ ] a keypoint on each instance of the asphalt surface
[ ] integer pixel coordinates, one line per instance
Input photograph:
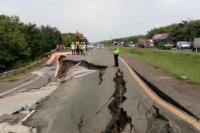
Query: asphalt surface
(185, 94)
(26, 82)
(72, 107)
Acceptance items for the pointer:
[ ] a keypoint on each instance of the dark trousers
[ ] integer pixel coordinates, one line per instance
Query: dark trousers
(73, 52)
(116, 60)
(77, 51)
(81, 52)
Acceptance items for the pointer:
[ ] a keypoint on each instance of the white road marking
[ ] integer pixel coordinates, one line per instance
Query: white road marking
(11, 90)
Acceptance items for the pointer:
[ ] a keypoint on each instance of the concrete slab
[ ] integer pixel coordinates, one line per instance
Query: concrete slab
(7, 128)
(13, 103)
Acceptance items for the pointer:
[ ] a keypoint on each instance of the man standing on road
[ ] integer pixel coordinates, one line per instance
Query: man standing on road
(84, 48)
(73, 48)
(116, 54)
(81, 48)
(77, 48)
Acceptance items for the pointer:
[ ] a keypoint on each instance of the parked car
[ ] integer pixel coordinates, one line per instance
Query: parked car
(184, 45)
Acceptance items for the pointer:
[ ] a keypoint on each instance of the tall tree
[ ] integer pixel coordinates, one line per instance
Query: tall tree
(13, 46)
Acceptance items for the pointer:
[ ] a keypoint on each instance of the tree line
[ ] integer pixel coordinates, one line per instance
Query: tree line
(21, 43)
(183, 31)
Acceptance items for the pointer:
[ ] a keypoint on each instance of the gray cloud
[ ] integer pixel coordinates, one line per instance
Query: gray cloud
(101, 19)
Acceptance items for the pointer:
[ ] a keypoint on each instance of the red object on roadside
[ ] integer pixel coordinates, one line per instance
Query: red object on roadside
(56, 56)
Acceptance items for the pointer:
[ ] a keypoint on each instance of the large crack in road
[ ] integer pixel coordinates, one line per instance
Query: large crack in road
(120, 117)
(156, 121)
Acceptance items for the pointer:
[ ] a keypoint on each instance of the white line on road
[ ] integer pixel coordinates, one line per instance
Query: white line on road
(14, 89)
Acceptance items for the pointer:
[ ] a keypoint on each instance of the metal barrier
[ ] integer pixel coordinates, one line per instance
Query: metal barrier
(21, 69)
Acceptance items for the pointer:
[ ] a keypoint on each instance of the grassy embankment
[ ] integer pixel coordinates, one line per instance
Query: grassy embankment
(176, 63)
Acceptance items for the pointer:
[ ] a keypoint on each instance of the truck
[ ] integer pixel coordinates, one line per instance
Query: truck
(145, 43)
(196, 44)
(162, 41)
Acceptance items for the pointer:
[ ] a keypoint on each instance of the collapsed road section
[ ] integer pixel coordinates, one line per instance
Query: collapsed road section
(31, 99)
(120, 117)
(156, 122)
(66, 65)
(76, 104)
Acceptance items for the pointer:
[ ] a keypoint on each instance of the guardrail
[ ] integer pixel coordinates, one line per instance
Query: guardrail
(21, 69)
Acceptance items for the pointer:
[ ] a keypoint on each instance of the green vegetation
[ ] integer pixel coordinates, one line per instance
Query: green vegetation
(68, 38)
(22, 43)
(184, 31)
(178, 64)
(130, 38)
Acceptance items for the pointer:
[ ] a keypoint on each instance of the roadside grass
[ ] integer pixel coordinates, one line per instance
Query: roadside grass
(178, 64)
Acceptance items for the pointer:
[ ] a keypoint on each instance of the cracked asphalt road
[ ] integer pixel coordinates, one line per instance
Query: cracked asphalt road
(28, 81)
(72, 107)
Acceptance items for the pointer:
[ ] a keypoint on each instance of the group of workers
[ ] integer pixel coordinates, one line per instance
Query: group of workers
(81, 48)
(78, 48)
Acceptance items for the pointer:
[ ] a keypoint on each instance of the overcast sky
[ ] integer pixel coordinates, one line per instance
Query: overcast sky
(102, 19)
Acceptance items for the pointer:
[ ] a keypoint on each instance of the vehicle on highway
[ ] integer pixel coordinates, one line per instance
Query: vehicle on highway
(149, 43)
(146, 43)
(142, 43)
(196, 44)
(168, 45)
(162, 41)
(131, 45)
(90, 46)
(128, 44)
(184, 45)
(100, 45)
